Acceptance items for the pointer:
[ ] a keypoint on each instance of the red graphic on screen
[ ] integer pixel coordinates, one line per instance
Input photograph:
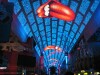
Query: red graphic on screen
(53, 8)
(53, 47)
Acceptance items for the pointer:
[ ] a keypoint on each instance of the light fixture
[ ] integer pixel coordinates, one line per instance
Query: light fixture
(3, 68)
(79, 74)
(82, 71)
(53, 60)
(85, 73)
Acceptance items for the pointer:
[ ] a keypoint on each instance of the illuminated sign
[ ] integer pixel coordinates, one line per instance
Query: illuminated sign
(53, 8)
(53, 47)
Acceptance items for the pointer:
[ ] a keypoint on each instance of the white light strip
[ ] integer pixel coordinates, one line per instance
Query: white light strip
(3, 67)
(46, 8)
(66, 59)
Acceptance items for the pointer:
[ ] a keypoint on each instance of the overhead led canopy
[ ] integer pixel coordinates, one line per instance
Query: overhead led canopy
(35, 19)
(53, 8)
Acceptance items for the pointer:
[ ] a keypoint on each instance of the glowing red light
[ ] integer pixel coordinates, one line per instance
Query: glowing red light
(54, 8)
(53, 47)
(78, 48)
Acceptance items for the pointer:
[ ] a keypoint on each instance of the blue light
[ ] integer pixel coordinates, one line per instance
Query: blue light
(22, 18)
(74, 41)
(59, 56)
(60, 35)
(53, 43)
(66, 59)
(65, 34)
(87, 18)
(49, 39)
(63, 56)
(48, 28)
(48, 34)
(53, 40)
(62, 60)
(53, 18)
(37, 50)
(39, 20)
(45, 63)
(69, 22)
(67, 43)
(75, 28)
(54, 24)
(30, 34)
(34, 27)
(78, 19)
(20, 32)
(97, 17)
(77, 35)
(44, 42)
(58, 43)
(61, 22)
(55, 55)
(71, 34)
(31, 18)
(84, 6)
(70, 39)
(71, 45)
(41, 27)
(52, 55)
(74, 6)
(65, 2)
(64, 38)
(62, 46)
(53, 35)
(81, 28)
(44, 1)
(36, 34)
(42, 33)
(63, 42)
(40, 43)
(36, 6)
(47, 21)
(67, 27)
(60, 28)
(94, 5)
(27, 6)
(38, 38)
(46, 53)
(54, 30)
(27, 28)
(17, 7)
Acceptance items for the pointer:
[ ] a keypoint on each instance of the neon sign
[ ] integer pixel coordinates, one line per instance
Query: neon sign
(53, 47)
(53, 8)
